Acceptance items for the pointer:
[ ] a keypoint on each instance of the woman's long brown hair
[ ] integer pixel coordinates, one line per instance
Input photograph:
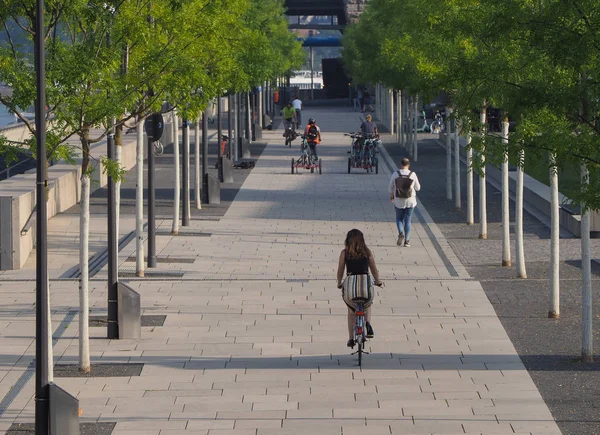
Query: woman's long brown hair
(355, 245)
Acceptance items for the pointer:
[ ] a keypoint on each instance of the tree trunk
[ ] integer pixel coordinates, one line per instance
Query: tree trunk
(249, 118)
(186, 213)
(260, 108)
(197, 169)
(177, 172)
(554, 312)
(506, 260)
(139, 201)
(233, 140)
(470, 199)
(118, 159)
(409, 126)
(448, 154)
(482, 180)
(521, 272)
(587, 344)
(84, 236)
(415, 120)
(399, 127)
(457, 197)
(391, 110)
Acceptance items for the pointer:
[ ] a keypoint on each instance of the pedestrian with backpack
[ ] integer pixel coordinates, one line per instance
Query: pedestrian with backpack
(403, 188)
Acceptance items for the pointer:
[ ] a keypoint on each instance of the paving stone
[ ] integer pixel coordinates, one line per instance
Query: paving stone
(254, 339)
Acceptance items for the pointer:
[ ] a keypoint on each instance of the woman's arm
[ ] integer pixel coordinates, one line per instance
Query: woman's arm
(374, 270)
(341, 267)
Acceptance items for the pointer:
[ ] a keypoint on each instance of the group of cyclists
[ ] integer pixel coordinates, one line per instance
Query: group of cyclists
(292, 118)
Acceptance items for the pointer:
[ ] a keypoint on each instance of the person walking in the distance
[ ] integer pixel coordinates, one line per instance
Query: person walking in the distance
(403, 189)
(298, 106)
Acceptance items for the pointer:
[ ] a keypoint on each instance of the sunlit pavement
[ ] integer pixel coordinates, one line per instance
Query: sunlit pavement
(255, 336)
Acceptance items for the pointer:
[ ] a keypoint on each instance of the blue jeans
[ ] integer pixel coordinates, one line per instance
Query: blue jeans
(403, 217)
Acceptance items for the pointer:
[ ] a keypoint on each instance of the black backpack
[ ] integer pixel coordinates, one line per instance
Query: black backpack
(404, 185)
(312, 133)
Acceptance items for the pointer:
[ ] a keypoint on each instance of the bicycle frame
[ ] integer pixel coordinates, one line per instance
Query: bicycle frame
(307, 159)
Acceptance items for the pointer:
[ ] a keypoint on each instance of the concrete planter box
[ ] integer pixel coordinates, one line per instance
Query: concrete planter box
(18, 200)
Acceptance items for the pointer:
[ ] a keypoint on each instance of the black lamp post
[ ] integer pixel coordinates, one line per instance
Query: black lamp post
(42, 389)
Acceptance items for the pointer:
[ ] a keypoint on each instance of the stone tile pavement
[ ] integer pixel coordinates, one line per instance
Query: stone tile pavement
(254, 340)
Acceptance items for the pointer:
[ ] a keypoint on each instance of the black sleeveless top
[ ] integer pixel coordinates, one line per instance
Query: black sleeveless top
(357, 266)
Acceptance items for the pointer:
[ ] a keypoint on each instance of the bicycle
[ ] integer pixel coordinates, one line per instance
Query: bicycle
(437, 126)
(363, 150)
(360, 329)
(425, 127)
(307, 159)
(355, 149)
(159, 149)
(290, 132)
(360, 332)
(224, 149)
(369, 152)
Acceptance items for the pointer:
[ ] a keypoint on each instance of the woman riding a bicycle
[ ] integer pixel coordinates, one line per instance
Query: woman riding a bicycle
(357, 259)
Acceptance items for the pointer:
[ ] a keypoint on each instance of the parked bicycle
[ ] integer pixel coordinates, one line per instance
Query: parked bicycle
(224, 149)
(438, 125)
(159, 149)
(425, 127)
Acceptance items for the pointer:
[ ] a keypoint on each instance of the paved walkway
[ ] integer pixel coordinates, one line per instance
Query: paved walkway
(254, 340)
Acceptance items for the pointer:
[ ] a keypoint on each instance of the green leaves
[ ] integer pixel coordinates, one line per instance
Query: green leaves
(540, 65)
(107, 58)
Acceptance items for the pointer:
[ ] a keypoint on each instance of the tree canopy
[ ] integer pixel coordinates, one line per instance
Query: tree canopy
(109, 58)
(537, 60)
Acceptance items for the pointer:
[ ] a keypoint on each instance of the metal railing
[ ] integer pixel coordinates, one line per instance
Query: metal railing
(5, 174)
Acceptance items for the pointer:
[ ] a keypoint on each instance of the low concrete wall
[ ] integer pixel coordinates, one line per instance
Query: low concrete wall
(16, 132)
(17, 234)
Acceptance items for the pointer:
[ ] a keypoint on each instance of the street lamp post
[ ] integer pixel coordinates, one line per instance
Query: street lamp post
(219, 139)
(113, 279)
(229, 121)
(204, 190)
(151, 205)
(42, 389)
(185, 173)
